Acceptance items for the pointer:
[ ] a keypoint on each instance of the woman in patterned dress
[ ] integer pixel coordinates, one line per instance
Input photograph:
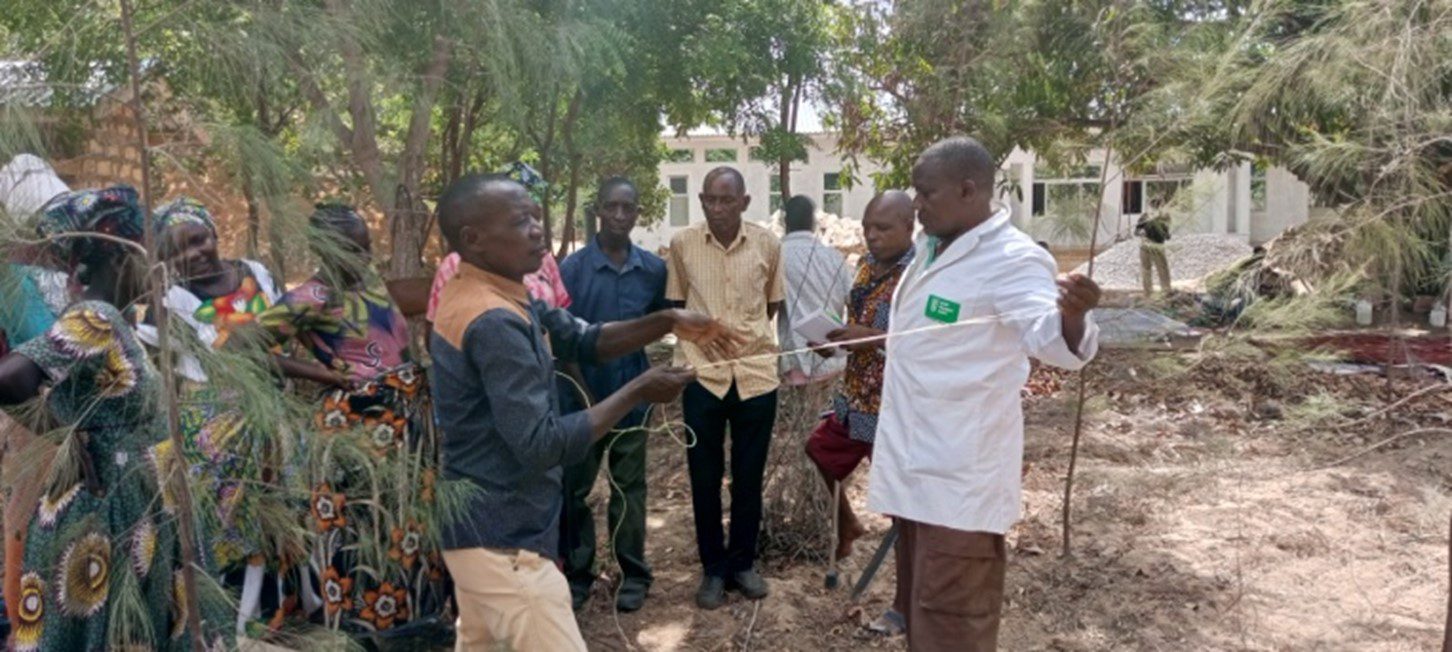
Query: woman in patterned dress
(372, 511)
(102, 566)
(240, 464)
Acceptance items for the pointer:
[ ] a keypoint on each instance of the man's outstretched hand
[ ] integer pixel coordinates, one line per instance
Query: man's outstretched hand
(663, 384)
(714, 339)
(853, 333)
(1078, 294)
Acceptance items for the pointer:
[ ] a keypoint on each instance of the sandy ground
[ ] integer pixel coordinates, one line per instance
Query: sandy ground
(1198, 526)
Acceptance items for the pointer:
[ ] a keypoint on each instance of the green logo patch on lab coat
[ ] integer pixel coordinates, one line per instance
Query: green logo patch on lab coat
(940, 309)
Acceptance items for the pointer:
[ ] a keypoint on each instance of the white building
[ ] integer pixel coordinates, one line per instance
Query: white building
(691, 157)
(1053, 205)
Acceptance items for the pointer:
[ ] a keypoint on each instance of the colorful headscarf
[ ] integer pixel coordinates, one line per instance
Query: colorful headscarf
(111, 211)
(179, 211)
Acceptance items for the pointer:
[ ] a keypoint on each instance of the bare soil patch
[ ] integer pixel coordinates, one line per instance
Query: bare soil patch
(1206, 518)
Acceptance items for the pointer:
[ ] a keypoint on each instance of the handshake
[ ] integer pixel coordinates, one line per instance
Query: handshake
(715, 340)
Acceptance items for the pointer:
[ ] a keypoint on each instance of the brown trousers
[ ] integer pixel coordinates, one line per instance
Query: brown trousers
(950, 587)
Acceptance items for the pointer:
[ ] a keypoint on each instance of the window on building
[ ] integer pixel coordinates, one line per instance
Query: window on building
(680, 209)
(1081, 172)
(721, 155)
(1072, 189)
(1143, 195)
(755, 154)
(1072, 196)
(680, 156)
(775, 201)
(1132, 199)
(1257, 186)
(832, 193)
(1160, 193)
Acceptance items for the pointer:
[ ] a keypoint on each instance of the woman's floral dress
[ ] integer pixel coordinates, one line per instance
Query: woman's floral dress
(374, 462)
(102, 559)
(231, 464)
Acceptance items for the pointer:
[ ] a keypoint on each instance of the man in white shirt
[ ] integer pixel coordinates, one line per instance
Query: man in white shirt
(817, 279)
(949, 443)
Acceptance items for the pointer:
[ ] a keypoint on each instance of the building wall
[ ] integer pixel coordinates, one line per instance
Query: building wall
(1287, 203)
(806, 179)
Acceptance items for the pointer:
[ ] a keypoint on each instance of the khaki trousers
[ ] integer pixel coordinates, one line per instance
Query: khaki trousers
(1152, 258)
(953, 584)
(511, 600)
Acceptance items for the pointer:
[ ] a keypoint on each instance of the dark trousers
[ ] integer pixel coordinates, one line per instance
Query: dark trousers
(750, 422)
(626, 514)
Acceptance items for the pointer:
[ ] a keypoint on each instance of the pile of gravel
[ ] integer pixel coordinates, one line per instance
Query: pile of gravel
(1192, 256)
(837, 231)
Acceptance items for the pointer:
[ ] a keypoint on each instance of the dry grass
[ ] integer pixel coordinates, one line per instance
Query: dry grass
(796, 523)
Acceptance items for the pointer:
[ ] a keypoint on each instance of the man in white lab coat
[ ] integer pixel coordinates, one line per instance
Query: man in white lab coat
(950, 431)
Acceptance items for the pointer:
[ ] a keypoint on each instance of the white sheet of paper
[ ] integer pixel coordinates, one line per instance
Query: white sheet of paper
(815, 326)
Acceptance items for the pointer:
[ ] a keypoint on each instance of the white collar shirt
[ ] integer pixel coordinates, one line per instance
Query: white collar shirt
(949, 446)
(817, 278)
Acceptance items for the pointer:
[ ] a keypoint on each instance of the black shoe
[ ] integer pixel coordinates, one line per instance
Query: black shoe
(631, 598)
(579, 595)
(712, 593)
(749, 584)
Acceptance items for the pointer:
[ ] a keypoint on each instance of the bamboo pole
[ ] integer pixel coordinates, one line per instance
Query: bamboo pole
(159, 282)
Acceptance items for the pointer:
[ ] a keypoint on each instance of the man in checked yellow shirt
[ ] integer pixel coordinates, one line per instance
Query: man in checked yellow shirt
(732, 271)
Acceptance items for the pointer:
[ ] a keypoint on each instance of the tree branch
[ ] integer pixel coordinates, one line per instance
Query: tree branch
(319, 101)
(364, 136)
(420, 121)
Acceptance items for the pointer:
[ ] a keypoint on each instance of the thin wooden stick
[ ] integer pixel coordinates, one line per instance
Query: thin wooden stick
(1430, 389)
(1084, 377)
(159, 282)
(1383, 443)
(1447, 630)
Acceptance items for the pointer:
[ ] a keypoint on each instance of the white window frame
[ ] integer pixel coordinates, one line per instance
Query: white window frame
(680, 202)
(839, 193)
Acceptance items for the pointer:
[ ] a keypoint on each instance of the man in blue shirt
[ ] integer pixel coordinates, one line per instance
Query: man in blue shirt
(611, 279)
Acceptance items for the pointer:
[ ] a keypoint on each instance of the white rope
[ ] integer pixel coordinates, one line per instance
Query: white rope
(1029, 314)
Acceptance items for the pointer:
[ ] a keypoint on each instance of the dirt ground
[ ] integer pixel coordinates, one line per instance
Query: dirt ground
(1213, 511)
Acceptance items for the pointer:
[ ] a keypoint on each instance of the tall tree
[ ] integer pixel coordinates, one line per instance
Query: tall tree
(1354, 98)
(1050, 77)
(745, 66)
(406, 47)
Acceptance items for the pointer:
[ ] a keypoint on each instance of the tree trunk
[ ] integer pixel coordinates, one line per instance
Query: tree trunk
(408, 222)
(363, 137)
(546, 169)
(1447, 630)
(784, 164)
(450, 155)
(784, 170)
(254, 218)
(249, 187)
(567, 232)
(458, 137)
(181, 484)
